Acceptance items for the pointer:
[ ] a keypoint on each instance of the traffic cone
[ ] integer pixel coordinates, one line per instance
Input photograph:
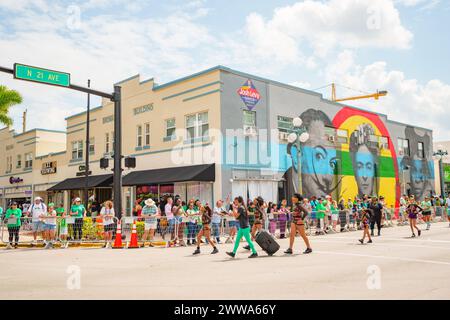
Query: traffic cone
(118, 240)
(134, 241)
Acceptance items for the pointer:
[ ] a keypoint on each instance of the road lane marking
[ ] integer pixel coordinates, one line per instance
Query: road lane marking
(383, 257)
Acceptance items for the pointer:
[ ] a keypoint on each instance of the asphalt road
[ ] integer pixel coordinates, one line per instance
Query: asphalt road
(393, 267)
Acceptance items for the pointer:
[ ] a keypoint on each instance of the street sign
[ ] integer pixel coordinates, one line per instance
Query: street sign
(35, 74)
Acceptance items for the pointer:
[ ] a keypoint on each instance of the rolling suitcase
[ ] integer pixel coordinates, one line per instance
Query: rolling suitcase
(267, 242)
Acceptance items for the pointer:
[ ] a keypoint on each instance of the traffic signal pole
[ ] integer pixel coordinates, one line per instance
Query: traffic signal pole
(116, 98)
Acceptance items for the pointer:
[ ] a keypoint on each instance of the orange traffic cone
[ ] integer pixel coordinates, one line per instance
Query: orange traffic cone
(134, 241)
(118, 240)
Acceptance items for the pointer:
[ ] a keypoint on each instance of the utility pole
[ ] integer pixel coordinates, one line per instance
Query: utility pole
(117, 177)
(24, 121)
(86, 166)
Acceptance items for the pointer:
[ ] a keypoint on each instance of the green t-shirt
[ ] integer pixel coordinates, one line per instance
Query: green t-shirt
(14, 213)
(79, 209)
(426, 206)
(320, 208)
(59, 212)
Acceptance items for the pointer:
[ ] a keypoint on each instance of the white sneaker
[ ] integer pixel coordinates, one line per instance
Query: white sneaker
(66, 245)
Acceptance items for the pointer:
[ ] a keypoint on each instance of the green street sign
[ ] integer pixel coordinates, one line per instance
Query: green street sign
(40, 75)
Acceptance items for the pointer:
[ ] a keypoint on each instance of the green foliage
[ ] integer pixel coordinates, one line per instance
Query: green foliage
(8, 98)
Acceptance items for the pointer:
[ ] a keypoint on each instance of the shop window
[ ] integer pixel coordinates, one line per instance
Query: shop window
(77, 150)
(8, 164)
(91, 145)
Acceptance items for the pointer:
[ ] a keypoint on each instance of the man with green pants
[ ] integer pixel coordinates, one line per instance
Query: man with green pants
(241, 214)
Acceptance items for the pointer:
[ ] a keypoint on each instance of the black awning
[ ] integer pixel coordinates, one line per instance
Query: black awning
(203, 172)
(103, 180)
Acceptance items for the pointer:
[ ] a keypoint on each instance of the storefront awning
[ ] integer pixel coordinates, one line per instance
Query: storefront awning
(203, 172)
(103, 180)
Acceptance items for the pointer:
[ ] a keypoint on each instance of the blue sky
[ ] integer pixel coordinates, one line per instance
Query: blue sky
(398, 45)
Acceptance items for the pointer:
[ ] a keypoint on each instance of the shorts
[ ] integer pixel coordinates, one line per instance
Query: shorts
(257, 221)
(448, 212)
(334, 217)
(206, 227)
(412, 216)
(37, 226)
(233, 224)
(63, 231)
(150, 225)
(49, 227)
(426, 213)
(109, 227)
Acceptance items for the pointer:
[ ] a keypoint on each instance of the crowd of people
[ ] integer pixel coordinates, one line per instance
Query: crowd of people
(193, 222)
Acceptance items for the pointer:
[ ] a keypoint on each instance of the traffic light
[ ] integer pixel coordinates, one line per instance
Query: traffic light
(130, 162)
(104, 163)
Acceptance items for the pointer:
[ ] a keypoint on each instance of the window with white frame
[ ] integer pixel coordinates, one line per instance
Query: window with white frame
(197, 125)
(77, 150)
(139, 136)
(92, 145)
(19, 161)
(8, 164)
(403, 146)
(170, 128)
(28, 160)
(420, 150)
(147, 134)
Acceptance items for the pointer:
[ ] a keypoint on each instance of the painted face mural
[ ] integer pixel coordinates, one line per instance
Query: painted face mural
(350, 164)
(419, 163)
(319, 160)
(364, 155)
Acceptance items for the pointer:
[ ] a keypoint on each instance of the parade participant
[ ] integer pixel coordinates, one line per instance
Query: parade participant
(62, 226)
(413, 210)
(259, 214)
(376, 210)
(426, 211)
(37, 210)
(49, 226)
(206, 216)
(150, 213)
(366, 214)
(283, 218)
(78, 212)
(240, 213)
(13, 215)
(299, 214)
(107, 214)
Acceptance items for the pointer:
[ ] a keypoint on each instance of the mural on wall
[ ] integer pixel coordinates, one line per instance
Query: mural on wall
(419, 163)
(319, 160)
(356, 165)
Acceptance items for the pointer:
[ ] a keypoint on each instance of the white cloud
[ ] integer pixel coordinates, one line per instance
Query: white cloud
(408, 100)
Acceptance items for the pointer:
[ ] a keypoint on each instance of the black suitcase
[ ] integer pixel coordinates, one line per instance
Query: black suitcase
(267, 242)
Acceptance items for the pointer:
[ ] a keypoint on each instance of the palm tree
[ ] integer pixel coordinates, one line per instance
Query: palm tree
(8, 98)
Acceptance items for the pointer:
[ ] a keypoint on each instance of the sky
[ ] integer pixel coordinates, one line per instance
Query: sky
(400, 46)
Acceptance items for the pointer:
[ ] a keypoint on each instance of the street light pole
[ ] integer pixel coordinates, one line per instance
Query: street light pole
(297, 137)
(86, 166)
(441, 153)
(299, 167)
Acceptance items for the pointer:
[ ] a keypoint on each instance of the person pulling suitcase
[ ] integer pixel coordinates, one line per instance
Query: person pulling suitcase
(299, 214)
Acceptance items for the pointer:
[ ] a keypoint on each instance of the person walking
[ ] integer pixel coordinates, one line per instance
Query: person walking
(13, 215)
(377, 212)
(78, 211)
(259, 207)
(241, 214)
(107, 213)
(206, 216)
(37, 210)
(413, 210)
(366, 214)
(299, 214)
(426, 211)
